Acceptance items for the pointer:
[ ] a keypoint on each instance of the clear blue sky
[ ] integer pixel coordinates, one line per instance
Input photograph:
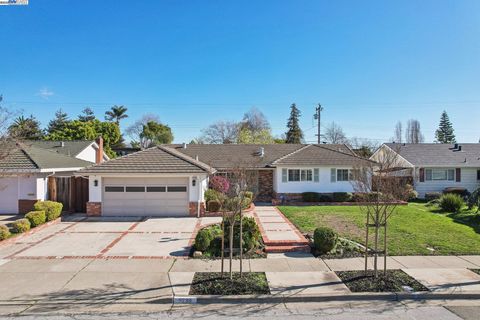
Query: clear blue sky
(370, 63)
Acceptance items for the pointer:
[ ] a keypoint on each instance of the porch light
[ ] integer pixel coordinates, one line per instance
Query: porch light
(95, 183)
(194, 181)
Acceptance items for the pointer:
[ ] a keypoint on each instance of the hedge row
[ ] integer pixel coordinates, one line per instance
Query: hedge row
(44, 211)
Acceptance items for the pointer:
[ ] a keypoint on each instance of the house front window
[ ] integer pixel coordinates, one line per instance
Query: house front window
(343, 175)
(440, 174)
(478, 174)
(295, 175)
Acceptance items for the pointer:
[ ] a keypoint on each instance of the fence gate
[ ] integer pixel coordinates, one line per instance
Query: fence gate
(72, 192)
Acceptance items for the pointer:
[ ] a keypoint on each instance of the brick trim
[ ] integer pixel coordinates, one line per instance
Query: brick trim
(94, 209)
(25, 205)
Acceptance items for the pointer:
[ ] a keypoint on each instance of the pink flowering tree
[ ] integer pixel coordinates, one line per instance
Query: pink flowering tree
(219, 183)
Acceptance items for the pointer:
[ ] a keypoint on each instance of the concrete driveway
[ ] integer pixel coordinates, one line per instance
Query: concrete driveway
(123, 238)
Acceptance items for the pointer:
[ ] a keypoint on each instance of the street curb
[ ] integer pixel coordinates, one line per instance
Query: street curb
(281, 298)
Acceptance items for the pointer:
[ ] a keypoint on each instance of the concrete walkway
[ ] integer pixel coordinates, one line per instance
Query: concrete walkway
(278, 233)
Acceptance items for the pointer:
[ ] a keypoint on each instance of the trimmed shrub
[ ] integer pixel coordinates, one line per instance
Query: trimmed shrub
(474, 200)
(410, 192)
(4, 232)
(365, 197)
(451, 202)
(324, 239)
(52, 209)
(250, 230)
(214, 206)
(462, 192)
(310, 196)
(219, 184)
(342, 197)
(36, 218)
(249, 195)
(211, 194)
(246, 203)
(429, 196)
(20, 226)
(203, 239)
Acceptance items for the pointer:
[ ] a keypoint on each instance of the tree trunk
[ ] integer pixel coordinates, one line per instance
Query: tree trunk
(241, 241)
(222, 252)
(231, 248)
(375, 256)
(366, 243)
(385, 248)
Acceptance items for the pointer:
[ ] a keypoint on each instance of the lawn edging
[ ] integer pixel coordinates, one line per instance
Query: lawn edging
(18, 236)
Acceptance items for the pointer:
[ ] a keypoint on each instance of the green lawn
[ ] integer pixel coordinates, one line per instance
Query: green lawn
(412, 229)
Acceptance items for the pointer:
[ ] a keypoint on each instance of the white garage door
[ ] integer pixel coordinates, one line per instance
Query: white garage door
(145, 197)
(8, 195)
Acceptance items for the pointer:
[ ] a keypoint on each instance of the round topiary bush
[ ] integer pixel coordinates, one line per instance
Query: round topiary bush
(251, 233)
(214, 206)
(52, 209)
(20, 226)
(203, 239)
(4, 232)
(211, 194)
(324, 239)
(36, 218)
(451, 202)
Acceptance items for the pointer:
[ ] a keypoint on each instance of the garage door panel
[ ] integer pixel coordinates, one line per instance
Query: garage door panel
(8, 195)
(145, 203)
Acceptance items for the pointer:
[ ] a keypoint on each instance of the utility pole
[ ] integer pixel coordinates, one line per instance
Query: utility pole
(316, 116)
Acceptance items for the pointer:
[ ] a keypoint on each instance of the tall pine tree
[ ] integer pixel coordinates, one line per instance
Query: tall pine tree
(444, 133)
(58, 123)
(294, 133)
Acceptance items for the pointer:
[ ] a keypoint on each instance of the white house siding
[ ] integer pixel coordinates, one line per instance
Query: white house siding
(468, 181)
(324, 185)
(27, 187)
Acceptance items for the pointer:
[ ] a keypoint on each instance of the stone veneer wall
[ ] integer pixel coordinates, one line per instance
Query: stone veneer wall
(94, 208)
(25, 205)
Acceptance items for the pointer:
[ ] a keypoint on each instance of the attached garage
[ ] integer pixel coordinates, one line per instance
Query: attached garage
(145, 197)
(8, 195)
(159, 182)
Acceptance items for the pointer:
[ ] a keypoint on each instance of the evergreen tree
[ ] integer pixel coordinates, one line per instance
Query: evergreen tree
(58, 123)
(86, 115)
(294, 133)
(444, 133)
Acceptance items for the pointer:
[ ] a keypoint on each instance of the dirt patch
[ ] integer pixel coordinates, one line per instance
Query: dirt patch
(343, 226)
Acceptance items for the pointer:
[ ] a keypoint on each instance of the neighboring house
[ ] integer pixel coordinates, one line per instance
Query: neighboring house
(42, 170)
(171, 179)
(434, 166)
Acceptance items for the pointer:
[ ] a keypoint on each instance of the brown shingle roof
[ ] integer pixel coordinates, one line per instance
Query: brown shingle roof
(319, 155)
(225, 156)
(160, 159)
(439, 154)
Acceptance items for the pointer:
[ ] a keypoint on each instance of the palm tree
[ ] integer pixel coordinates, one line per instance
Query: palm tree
(25, 128)
(116, 113)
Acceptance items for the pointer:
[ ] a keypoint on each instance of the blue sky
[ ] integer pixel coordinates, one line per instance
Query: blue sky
(370, 63)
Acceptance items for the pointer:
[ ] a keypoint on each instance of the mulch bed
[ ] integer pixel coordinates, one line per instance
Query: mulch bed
(394, 281)
(211, 283)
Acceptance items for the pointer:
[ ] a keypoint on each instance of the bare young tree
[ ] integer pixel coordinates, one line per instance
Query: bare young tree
(233, 203)
(221, 132)
(363, 147)
(413, 133)
(254, 120)
(334, 134)
(398, 133)
(380, 191)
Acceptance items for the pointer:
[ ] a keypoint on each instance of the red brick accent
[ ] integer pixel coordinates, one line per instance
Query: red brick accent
(193, 209)
(94, 209)
(265, 185)
(25, 206)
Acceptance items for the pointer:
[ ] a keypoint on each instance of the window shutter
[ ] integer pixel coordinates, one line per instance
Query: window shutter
(422, 174)
(316, 175)
(284, 175)
(458, 174)
(333, 175)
